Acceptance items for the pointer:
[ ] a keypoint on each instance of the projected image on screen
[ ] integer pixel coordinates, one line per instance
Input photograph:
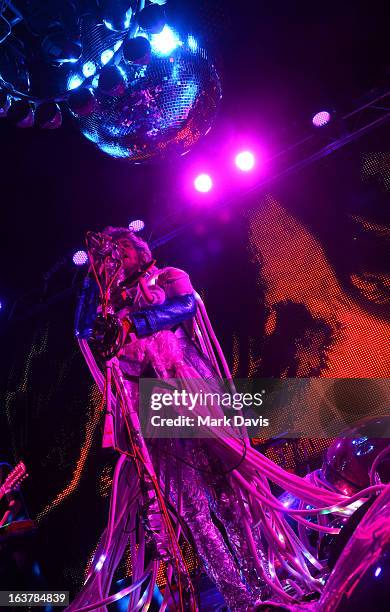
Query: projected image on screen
(297, 311)
(313, 327)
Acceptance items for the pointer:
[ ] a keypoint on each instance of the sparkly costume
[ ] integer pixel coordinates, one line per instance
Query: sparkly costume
(214, 493)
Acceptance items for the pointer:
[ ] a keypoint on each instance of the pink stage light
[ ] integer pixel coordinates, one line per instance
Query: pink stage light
(137, 225)
(203, 183)
(245, 161)
(321, 118)
(80, 258)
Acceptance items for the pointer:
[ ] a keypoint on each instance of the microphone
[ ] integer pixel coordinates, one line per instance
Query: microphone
(101, 244)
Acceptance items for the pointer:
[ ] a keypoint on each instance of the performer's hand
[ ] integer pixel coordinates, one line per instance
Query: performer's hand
(101, 328)
(107, 333)
(110, 334)
(145, 290)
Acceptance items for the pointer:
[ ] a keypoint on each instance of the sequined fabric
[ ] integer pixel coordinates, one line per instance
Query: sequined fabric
(190, 472)
(185, 473)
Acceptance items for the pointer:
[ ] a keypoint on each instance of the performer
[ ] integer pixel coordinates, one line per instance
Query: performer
(144, 321)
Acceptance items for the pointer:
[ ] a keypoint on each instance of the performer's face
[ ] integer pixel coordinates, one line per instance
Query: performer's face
(129, 255)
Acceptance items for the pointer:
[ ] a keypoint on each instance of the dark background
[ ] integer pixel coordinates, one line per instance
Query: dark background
(280, 63)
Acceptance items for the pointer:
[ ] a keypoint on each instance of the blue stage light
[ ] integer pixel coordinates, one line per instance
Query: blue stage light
(106, 56)
(165, 42)
(128, 18)
(74, 81)
(192, 43)
(116, 14)
(60, 47)
(89, 69)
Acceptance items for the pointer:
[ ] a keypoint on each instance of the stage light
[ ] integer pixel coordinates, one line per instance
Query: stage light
(106, 56)
(80, 258)
(152, 19)
(5, 103)
(245, 161)
(116, 14)
(81, 102)
(74, 81)
(378, 571)
(48, 116)
(21, 114)
(192, 43)
(203, 183)
(165, 42)
(1, 305)
(136, 50)
(89, 69)
(321, 119)
(136, 225)
(58, 47)
(112, 81)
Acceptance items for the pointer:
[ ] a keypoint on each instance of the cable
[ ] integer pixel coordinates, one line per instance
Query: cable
(119, 595)
(199, 469)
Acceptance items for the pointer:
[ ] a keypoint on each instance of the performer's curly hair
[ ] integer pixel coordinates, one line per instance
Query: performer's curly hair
(143, 250)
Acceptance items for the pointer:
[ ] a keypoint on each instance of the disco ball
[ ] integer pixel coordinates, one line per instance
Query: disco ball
(167, 106)
(349, 458)
(138, 88)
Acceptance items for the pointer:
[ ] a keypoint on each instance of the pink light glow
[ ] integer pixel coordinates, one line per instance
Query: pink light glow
(321, 118)
(137, 225)
(245, 161)
(203, 183)
(80, 258)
